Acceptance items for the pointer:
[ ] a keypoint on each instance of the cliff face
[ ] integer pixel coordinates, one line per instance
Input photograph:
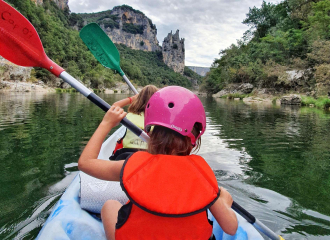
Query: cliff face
(130, 27)
(174, 52)
(125, 25)
(10, 71)
(200, 70)
(62, 4)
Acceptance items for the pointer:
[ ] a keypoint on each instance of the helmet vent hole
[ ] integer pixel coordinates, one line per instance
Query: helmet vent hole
(148, 105)
(171, 105)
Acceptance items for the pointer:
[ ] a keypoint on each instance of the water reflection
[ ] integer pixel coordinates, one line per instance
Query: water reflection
(41, 134)
(274, 160)
(284, 151)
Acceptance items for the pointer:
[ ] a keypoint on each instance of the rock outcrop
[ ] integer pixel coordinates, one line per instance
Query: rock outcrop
(244, 88)
(128, 26)
(174, 52)
(10, 71)
(291, 99)
(62, 4)
(200, 70)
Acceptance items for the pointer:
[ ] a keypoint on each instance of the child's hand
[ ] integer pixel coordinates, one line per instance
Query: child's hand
(112, 118)
(226, 197)
(134, 97)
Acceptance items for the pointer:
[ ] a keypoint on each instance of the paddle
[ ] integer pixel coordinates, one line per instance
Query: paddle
(103, 49)
(255, 222)
(20, 44)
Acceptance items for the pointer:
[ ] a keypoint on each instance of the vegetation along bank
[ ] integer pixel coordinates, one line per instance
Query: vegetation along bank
(286, 50)
(58, 30)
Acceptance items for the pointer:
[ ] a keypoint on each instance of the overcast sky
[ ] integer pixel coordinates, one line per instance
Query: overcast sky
(207, 26)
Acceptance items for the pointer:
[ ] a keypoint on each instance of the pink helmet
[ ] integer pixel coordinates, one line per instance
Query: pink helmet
(176, 108)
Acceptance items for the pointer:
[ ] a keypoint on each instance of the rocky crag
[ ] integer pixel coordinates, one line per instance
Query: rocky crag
(200, 70)
(14, 78)
(10, 71)
(62, 4)
(127, 26)
(124, 25)
(174, 52)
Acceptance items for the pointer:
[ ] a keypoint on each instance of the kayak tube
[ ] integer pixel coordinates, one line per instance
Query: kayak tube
(68, 221)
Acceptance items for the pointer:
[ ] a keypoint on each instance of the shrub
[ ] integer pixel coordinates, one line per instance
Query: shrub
(132, 28)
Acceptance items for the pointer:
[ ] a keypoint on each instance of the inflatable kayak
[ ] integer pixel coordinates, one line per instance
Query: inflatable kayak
(75, 216)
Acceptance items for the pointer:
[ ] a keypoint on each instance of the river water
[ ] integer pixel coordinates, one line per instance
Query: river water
(274, 160)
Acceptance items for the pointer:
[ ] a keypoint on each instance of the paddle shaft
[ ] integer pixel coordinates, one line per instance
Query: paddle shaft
(255, 222)
(101, 103)
(130, 84)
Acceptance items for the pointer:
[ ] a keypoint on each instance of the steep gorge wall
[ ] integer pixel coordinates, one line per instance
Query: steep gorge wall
(62, 4)
(174, 52)
(126, 26)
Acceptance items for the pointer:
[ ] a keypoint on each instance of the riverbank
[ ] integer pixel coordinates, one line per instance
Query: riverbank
(39, 86)
(321, 102)
(18, 86)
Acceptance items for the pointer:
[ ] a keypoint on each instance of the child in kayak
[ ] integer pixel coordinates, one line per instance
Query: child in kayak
(169, 189)
(136, 115)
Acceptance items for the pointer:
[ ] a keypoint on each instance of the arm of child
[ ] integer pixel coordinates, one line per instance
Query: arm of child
(222, 212)
(124, 102)
(88, 162)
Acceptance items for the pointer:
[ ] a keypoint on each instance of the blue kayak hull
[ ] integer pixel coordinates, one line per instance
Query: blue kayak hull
(69, 222)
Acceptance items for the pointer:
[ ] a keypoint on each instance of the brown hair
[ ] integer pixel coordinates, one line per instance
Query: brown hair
(139, 104)
(168, 142)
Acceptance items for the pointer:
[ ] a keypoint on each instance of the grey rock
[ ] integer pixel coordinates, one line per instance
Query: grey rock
(245, 88)
(147, 41)
(221, 93)
(200, 70)
(292, 99)
(174, 52)
(9, 71)
(62, 4)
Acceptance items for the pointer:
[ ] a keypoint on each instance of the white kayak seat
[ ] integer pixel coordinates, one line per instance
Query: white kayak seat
(95, 192)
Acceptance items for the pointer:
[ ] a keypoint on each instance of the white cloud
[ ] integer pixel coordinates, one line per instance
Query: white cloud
(208, 26)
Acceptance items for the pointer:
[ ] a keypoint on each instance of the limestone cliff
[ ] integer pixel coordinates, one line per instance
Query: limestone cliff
(174, 52)
(62, 4)
(10, 71)
(128, 26)
(200, 70)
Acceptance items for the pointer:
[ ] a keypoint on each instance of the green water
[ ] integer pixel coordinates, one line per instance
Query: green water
(274, 160)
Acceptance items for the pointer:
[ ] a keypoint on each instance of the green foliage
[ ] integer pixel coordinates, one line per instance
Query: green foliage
(235, 95)
(32, 78)
(76, 20)
(132, 28)
(322, 102)
(104, 18)
(319, 20)
(148, 68)
(64, 46)
(128, 8)
(68, 90)
(290, 34)
(191, 74)
(153, 26)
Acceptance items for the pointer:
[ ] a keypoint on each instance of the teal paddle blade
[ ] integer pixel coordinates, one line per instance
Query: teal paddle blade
(101, 46)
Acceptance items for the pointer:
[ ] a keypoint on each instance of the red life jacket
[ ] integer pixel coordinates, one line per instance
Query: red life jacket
(169, 197)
